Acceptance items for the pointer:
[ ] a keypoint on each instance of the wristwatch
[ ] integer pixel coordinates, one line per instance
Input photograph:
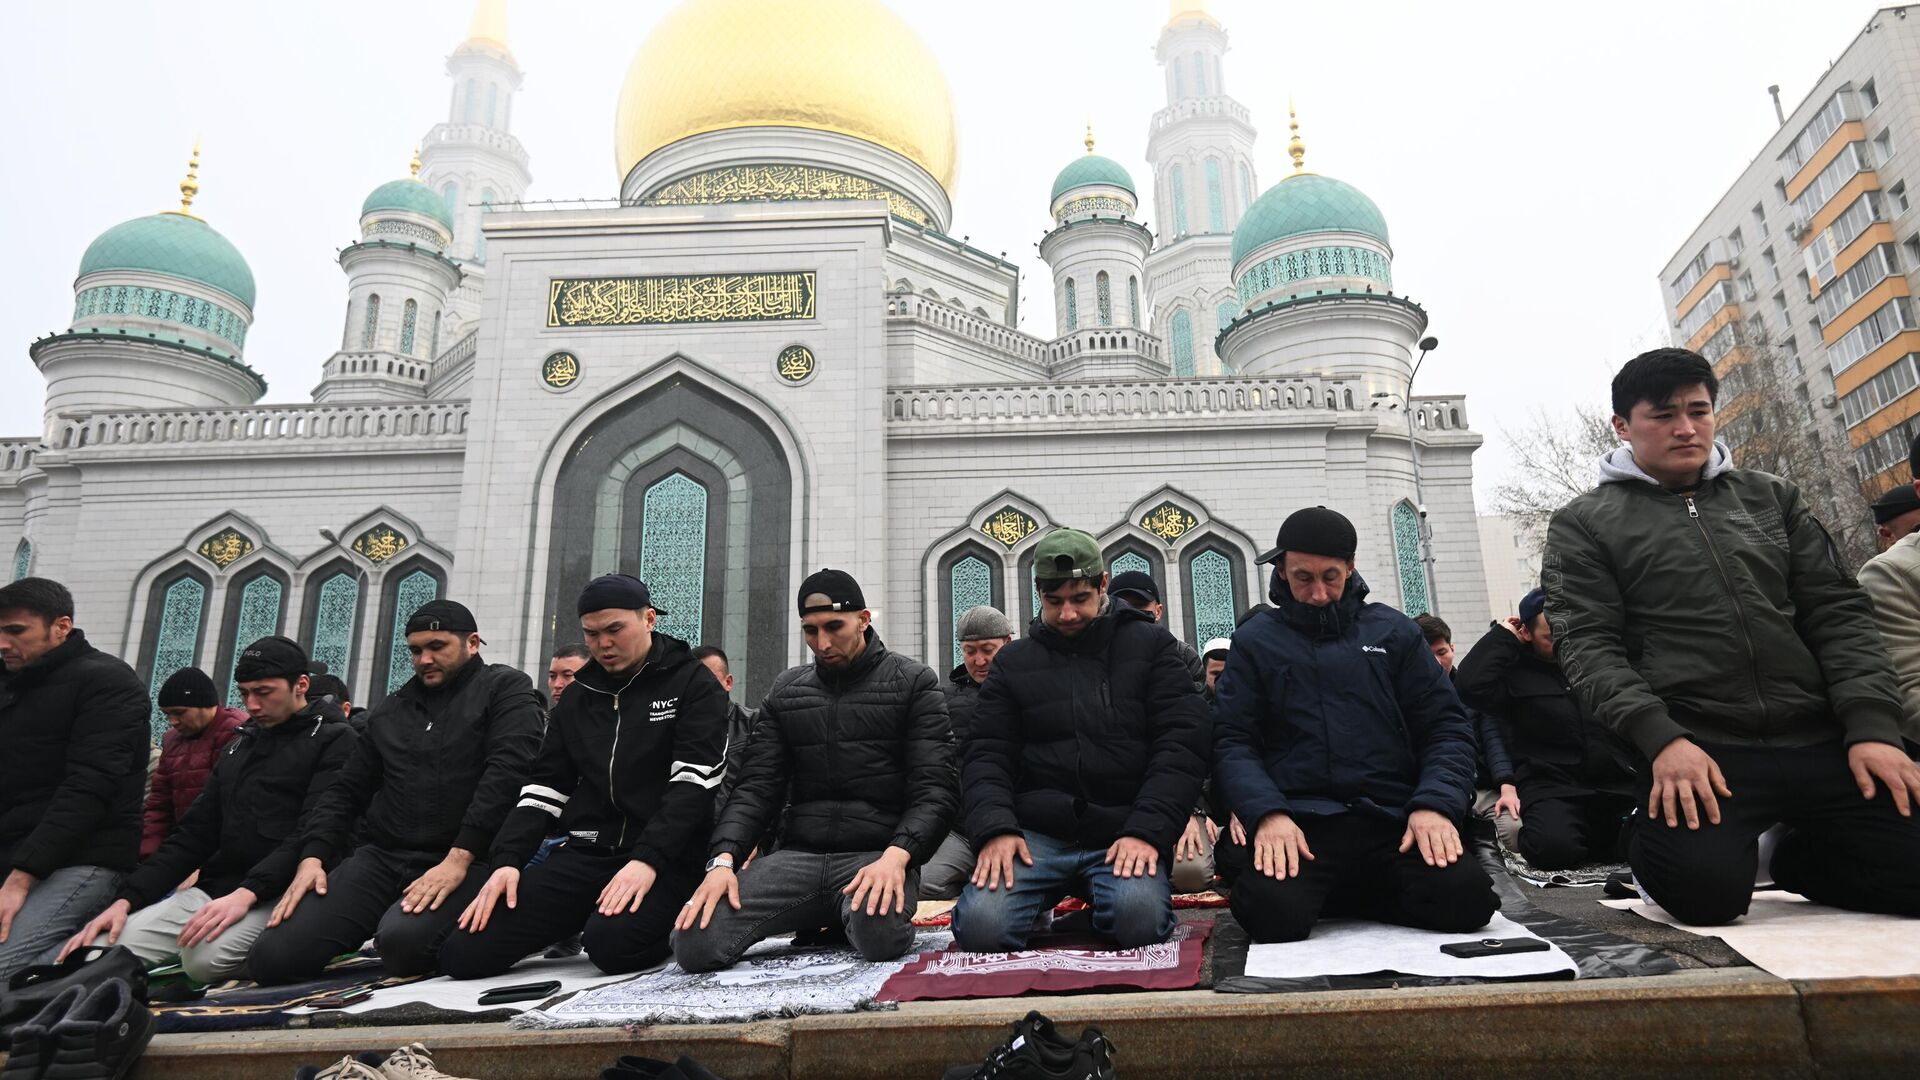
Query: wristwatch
(716, 862)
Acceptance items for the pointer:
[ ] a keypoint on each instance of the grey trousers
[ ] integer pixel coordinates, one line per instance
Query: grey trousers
(946, 874)
(56, 908)
(1506, 826)
(786, 891)
(153, 933)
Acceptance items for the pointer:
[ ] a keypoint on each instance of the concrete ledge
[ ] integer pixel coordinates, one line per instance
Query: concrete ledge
(1863, 1027)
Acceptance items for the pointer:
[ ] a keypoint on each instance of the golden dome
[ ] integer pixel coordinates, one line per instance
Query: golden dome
(846, 66)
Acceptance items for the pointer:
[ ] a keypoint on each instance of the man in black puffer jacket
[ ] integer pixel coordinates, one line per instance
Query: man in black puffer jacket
(442, 761)
(1342, 747)
(858, 748)
(1088, 750)
(633, 752)
(75, 723)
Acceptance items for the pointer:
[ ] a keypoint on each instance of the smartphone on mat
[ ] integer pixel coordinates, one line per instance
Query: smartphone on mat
(1470, 950)
(342, 999)
(500, 995)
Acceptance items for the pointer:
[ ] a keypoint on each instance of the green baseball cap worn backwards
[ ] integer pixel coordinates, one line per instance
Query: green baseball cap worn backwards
(1067, 553)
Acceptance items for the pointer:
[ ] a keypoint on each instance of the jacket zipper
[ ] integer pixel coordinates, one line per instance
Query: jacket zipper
(1740, 611)
(614, 752)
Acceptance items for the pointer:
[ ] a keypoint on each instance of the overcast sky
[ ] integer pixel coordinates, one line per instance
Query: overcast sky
(1537, 163)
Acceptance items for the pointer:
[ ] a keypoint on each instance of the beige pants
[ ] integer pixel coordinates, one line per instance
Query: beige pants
(1506, 826)
(1195, 874)
(153, 934)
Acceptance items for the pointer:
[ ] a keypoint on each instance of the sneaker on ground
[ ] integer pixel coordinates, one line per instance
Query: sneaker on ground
(1037, 1051)
(411, 1062)
(102, 1036)
(347, 1068)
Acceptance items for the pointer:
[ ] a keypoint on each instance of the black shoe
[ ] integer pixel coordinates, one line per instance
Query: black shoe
(103, 1036)
(565, 947)
(33, 1041)
(631, 1067)
(1037, 1051)
(823, 936)
(1620, 887)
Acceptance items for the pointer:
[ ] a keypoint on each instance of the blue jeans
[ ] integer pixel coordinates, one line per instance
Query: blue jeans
(57, 907)
(1130, 911)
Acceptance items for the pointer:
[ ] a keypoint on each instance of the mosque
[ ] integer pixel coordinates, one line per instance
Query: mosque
(768, 355)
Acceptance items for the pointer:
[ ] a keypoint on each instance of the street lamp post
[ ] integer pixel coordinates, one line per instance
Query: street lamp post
(1427, 345)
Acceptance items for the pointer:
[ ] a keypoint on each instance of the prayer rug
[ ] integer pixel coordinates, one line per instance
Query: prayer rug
(774, 979)
(245, 1006)
(951, 973)
(1791, 937)
(1592, 874)
(1356, 947)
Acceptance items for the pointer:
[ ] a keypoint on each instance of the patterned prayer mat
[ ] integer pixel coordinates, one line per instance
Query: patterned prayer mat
(1055, 968)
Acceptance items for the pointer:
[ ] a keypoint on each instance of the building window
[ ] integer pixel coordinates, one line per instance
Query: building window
(493, 102)
(258, 616)
(23, 560)
(1133, 301)
(1869, 95)
(1130, 562)
(1414, 597)
(673, 552)
(1780, 192)
(1210, 593)
(1103, 298)
(1216, 198)
(336, 615)
(466, 103)
(1179, 79)
(1200, 74)
(176, 639)
(433, 345)
(1898, 194)
(450, 194)
(414, 591)
(1759, 219)
(372, 321)
(1883, 147)
(1246, 187)
(409, 316)
(1179, 182)
(1073, 308)
(1182, 335)
(971, 580)
(1736, 241)
(1226, 313)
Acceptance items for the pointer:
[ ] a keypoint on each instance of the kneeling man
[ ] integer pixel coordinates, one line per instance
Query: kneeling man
(1340, 740)
(1088, 749)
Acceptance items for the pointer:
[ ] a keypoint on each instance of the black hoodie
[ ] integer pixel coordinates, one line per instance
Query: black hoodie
(1087, 738)
(630, 764)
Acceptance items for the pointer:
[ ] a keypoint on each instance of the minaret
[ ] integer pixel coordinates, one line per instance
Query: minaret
(1200, 147)
(399, 284)
(472, 159)
(1097, 251)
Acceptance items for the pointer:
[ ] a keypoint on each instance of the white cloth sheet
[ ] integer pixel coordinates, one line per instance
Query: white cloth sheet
(1354, 947)
(573, 973)
(1794, 938)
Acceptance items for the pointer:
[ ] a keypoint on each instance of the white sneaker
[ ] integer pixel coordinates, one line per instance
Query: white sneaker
(347, 1068)
(413, 1062)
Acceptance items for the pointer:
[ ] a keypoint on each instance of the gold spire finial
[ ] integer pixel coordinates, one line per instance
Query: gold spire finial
(489, 23)
(1295, 147)
(413, 169)
(1089, 136)
(191, 185)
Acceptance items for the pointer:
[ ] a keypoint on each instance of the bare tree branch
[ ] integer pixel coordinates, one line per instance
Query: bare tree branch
(1559, 457)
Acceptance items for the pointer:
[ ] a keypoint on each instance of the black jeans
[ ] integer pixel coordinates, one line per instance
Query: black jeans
(1357, 871)
(363, 900)
(1562, 832)
(1842, 850)
(559, 896)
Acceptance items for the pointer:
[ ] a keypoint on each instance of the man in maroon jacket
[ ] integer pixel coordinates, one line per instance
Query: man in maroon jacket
(199, 728)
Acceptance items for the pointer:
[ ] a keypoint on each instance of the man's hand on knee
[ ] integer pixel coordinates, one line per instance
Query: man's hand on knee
(881, 885)
(1439, 840)
(1279, 847)
(311, 876)
(1133, 857)
(111, 922)
(1682, 774)
(995, 861)
(13, 896)
(1888, 764)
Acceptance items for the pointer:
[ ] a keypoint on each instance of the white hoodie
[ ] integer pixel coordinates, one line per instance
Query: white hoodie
(1617, 466)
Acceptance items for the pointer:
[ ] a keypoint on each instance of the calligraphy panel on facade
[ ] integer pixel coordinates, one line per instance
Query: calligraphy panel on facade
(1168, 522)
(379, 543)
(225, 547)
(689, 298)
(1009, 526)
(779, 183)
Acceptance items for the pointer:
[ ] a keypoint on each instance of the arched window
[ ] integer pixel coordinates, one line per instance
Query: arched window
(1226, 313)
(1133, 301)
(466, 103)
(1181, 332)
(433, 344)
(1216, 198)
(1132, 555)
(673, 552)
(1073, 307)
(416, 588)
(450, 194)
(372, 321)
(1200, 74)
(1103, 297)
(1211, 596)
(253, 614)
(971, 583)
(1415, 598)
(493, 101)
(23, 559)
(1129, 563)
(1246, 187)
(176, 612)
(409, 316)
(1179, 184)
(333, 622)
(1179, 79)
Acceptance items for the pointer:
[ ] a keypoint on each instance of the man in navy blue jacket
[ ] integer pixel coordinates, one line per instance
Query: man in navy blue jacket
(1341, 742)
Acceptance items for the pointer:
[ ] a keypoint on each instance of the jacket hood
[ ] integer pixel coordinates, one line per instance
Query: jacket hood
(1617, 466)
(1330, 621)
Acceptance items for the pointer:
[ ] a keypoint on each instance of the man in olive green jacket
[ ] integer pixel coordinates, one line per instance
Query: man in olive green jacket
(1892, 581)
(1699, 610)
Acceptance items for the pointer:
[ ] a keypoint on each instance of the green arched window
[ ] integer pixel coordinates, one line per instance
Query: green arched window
(1181, 332)
(258, 616)
(176, 642)
(673, 553)
(971, 581)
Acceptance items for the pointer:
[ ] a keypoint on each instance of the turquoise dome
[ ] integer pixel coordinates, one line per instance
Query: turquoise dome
(409, 195)
(176, 245)
(1306, 203)
(1089, 170)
